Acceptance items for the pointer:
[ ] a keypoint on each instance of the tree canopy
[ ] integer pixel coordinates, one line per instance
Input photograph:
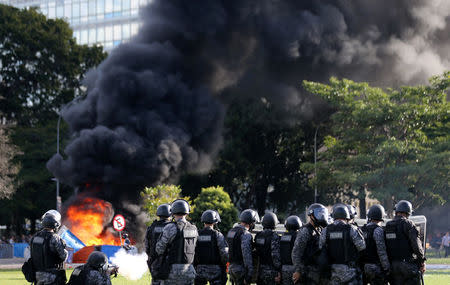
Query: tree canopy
(392, 144)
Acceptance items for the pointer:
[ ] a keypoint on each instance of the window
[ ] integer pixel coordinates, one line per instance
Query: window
(108, 6)
(116, 43)
(84, 37)
(83, 9)
(117, 32)
(68, 10)
(134, 28)
(134, 4)
(117, 5)
(100, 34)
(125, 31)
(76, 10)
(59, 11)
(91, 8)
(142, 2)
(125, 5)
(92, 36)
(108, 33)
(100, 6)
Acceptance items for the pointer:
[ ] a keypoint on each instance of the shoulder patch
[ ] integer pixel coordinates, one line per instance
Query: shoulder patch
(158, 229)
(190, 234)
(336, 235)
(38, 240)
(231, 234)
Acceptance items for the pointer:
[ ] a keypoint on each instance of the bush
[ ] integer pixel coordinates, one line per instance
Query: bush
(215, 198)
(160, 194)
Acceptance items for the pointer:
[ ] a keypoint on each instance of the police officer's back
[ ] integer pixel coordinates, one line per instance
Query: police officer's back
(287, 240)
(153, 233)
(404, 248)
(267, 244)
(48, 252)
(343, 243)
(240, 242)
(177, 242)
(375, 260)
(94, 272)
(306, 247)
(211, 252)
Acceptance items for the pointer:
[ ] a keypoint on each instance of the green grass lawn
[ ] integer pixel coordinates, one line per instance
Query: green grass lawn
(15, 277)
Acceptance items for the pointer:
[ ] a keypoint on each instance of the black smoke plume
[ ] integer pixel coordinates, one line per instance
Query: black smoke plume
(152, 111)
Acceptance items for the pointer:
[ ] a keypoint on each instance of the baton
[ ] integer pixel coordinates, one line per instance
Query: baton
(421, 278)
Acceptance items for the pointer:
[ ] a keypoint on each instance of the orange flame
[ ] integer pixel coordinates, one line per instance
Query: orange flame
(87, 219)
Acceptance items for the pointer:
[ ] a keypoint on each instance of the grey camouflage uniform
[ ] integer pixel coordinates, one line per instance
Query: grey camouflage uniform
(180, 274)
(373, 272)
(94, 277)
(58, 246)
(267, 273)
(308, 272)
(240, 272)
(213, 273)
(342, 273)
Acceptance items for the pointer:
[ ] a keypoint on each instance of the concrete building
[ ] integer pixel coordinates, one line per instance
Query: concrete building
(104, 22)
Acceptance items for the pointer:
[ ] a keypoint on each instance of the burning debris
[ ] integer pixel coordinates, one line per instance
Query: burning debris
(152, 111)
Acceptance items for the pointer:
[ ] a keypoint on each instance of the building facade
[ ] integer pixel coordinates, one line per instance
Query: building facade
(104, 22)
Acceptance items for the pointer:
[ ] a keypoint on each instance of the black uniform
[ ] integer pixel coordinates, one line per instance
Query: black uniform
(86, 275)
(375, 259)
(211, 256)
(240, 242)
(405, 251)
(154, 231)
(287, 241)
(267, 245)
(48, 255)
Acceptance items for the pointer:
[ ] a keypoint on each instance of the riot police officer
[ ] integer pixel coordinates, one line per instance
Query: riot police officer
(211, 252)
(48, 252)
(267, 244)
(353, 214)
(292, 225)
(375, 259)
(404, 248)
(343, 243)
(153, 233)
(306, 247)
(179, 239)
(240, 242)
(95, 272)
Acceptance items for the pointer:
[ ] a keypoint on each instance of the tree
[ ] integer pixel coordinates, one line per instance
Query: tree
(392, 144)
(152, 197)
(7, 169)
(41, 69)
(215, 198)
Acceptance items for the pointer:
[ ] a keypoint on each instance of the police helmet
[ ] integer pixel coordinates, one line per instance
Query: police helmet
(292, 223)
(249, 216)
(181, 207)
(376, 212)
(352, 211)
(97, 260)
(163, 210)
(210, 217)
(53, 213)
(404, 207)
(319, 214)
(341, 212)
(50, 222)
(269, 221)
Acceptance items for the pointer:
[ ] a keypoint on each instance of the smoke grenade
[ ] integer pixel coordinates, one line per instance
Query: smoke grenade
(154, 108)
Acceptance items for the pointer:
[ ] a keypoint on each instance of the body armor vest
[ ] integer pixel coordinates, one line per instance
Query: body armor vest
(341, 249)
(182, 249)
(207, 250)
(312, 246)
(397, 242)
(43, 258)
(152, 236)
(79, 275)
(370, 253)
(234, 243)
(286, 245)
(263, 245)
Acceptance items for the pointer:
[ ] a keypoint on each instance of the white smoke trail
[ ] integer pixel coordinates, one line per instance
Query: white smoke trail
(131, 266)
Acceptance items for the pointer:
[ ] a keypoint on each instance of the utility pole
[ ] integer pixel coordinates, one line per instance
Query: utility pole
(58, 198)
(315, 164)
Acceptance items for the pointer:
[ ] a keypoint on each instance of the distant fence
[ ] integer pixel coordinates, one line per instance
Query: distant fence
(13, 250)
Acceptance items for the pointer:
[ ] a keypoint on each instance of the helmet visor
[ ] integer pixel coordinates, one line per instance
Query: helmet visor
(321, 215)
